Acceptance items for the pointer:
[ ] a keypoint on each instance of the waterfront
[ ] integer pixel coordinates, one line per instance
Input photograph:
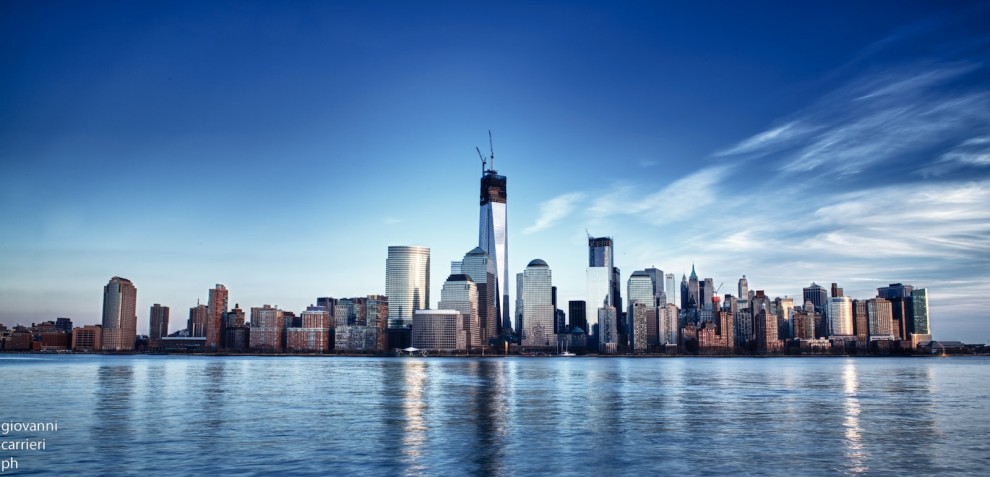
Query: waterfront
(182, 415)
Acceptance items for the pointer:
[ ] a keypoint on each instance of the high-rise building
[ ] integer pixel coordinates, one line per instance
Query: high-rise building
(601, 278)
(880, 318)
(478, 265)
(920, 325)
(670, 289)
(536, 302)
(493, 235)
(642, 288)
(216, 307)
(159, 323)
(694, 290)
(785, 307)
(577, 314)
(669, 329)
(461, 293)
(743, 288)
(267, 329)
(818, 297)
(608, 336)
(119, 315)
(407, 283)
(840, 316)
(198, 316)
(861, 321)
(836, 291)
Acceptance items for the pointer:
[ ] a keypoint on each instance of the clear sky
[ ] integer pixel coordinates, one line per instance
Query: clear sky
(280, 149)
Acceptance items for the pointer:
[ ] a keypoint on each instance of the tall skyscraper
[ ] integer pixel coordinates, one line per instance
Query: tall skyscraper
(818, 297)
(670, 289)
(198, 316)
(602, 280)
(461, 293)
(743, 288)
(920, 327)
(407, 283)
(840, 316)
(536, 303)
(493, 234)
(159, 323)
(642, 288)
(119, 315)
(216, 308)
(577, 314)
(478, 265)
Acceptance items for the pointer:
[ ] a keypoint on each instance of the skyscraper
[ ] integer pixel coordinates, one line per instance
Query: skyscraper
(478, 265)
(840, 316)
(670, 289)
(407, 283)
(642, 288)
(577, 314)
(602, 280)
(119, 315)
(461, 293)
(493, 234)
(818, 297)
(216, 308)
(537, 313)
(159, 323)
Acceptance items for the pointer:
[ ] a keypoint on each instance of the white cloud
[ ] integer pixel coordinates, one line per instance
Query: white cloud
(769, 140)
(554, 210)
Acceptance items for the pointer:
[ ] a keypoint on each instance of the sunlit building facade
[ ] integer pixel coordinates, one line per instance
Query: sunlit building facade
(493, 236)
(536, 303)
(461, 293)
(478, 265)
(407, 283)
(438, 330)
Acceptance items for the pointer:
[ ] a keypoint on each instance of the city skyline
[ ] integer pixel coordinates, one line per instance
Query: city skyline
(284, 170)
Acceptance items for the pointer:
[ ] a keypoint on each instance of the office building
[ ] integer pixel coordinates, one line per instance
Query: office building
(602, 280)
(119, 325)
(840, 316)
(158, 328)
(880, 317)
(670, 290)
(461, 293)
(216, 308)
(642, 288)
(407, 283)
(577, 314)
(493, 234)
(535, 309)
(479, 265)
(438, 330)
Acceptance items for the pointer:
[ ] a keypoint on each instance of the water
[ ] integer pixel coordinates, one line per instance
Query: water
(168, 415)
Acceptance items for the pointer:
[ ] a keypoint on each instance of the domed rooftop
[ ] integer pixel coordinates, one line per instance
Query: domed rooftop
(538, 263)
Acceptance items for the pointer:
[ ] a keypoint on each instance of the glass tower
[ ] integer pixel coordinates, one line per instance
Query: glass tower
(407, 283)
(493, 236)
(537, 314)
(461, 293)
(478, 265)
(602, 280)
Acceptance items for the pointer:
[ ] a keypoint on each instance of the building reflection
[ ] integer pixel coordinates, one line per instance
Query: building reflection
(413, 442)
(490, 415)
(853, 439)
(112, 430)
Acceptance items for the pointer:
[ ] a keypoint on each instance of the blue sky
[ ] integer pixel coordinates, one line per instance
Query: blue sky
(279, 149)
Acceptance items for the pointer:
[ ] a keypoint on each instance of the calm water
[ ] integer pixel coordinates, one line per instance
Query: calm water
(156, 415)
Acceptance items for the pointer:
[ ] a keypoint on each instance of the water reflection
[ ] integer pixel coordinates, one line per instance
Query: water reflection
(489, 414)
(112, 430)
(413, 407)
(854, 452)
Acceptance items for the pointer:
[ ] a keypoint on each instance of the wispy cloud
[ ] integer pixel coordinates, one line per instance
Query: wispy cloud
(768, 141)
(554, 210)
(974, 152)
(664, 206)
(902, 114)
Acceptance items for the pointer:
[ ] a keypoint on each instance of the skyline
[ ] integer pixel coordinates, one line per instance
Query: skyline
(279, 150)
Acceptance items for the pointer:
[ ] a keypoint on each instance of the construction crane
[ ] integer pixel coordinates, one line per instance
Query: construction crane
(715, 298)
(483, 160)
(491, 147)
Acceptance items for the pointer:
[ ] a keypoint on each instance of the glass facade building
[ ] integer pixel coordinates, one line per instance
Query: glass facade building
(641, 288)
(840, 316)
(536, 310)
(493, 236)
(438, 330)
(460, 293)
(478, 265)
(602, 279)
(407, 283)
